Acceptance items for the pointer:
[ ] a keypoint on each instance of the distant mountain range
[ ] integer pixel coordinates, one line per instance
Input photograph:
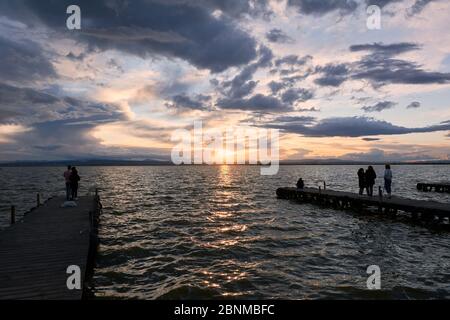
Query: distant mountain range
(151, 162)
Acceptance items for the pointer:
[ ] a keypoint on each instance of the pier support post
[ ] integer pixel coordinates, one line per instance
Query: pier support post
(13, 214)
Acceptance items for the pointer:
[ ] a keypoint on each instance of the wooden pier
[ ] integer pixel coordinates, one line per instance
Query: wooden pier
(438, 187)
(35, 253)
(417, 209)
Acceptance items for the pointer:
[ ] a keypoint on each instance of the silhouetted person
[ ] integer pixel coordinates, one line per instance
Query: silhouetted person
(67, 179)
(74, 178)
(370, 177)
(361, 181)
(388, 179)
(300, 184)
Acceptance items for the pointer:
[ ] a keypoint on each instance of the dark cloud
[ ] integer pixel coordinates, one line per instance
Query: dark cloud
(242, 84)
(371, 139)
(344, 7)
(293, 60)
(182, 101)
(276, 86)
(380, 70)
(300, 120)
(389, 49)
(380, 67)
(380, 155)
(58, 127)
(351, 127)
(278, 36)
(174, 28)
(379, 106)
(413, 105)
(332, 74)
(237, 8)
(293, 95)
(24, 62)
(312, 109)
(418, 6)
(28, 106)
(258, 102)
(322, 7)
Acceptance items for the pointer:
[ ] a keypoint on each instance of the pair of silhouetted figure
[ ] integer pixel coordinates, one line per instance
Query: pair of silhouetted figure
(72, 178)
(367, 178)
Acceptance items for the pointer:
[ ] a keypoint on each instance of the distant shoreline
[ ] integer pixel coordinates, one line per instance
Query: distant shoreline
(151, 163)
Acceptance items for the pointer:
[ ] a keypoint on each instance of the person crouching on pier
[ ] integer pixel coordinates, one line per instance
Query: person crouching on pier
(361, 181)
(66, 175)
(74, 178)
(300, 184)
(370, 177)
(388, 180)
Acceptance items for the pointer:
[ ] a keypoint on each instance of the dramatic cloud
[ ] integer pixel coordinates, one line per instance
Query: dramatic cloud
(351, 127)
(258, 102)
(380, 67)
(139, 69)
(146, 28)
(418, 6)
(344, 7)
(380, 106)
(23, 62)
(332, 74)
(413, 105)
(293, 60)
(277, 35)
(322, 7)
(388, 49)
(242, 84)
(371, 139)
(28, 106)
(380, 155)
(183, 101)
(296, 95)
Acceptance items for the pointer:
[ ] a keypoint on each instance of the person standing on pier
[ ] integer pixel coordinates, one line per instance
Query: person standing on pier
(361, 181)
(74, 178)
(388, 180)
(300, 183)
(370, 177)
(67, 174)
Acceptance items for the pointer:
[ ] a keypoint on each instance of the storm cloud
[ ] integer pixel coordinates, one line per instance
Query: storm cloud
(351, 127)
(258, 103)
(24, 62)
(379, 106)
(145, 28)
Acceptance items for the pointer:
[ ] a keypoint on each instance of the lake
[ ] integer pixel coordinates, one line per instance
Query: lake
(196, 232)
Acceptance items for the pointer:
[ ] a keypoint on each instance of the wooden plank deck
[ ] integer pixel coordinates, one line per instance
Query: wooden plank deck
(339, 199)
(35, 252)
(438, 186)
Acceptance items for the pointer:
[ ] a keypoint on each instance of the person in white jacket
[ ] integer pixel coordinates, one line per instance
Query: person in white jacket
(388, 180)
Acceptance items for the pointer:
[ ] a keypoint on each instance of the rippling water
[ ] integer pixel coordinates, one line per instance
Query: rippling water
(220, 231)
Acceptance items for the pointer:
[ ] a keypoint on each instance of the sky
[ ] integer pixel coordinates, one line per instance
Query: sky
(137, 71)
